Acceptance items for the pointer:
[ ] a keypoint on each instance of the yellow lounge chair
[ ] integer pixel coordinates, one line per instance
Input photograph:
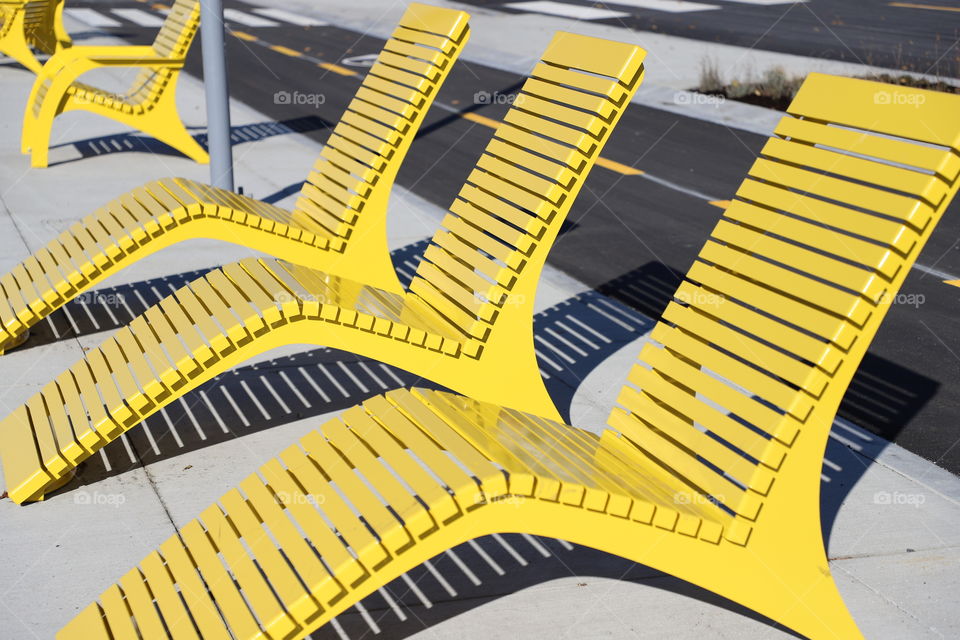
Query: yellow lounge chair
(150, 105)
(466, 322)
(710, 477)
(338, 225)
(32, 24)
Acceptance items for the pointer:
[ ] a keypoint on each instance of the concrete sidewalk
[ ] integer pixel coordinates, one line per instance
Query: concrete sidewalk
(892, 520)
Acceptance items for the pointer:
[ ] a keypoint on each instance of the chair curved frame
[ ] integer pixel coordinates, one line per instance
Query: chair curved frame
(711, 468)
(26, 25)
(338, 223)
(150, 105)
(467, 321)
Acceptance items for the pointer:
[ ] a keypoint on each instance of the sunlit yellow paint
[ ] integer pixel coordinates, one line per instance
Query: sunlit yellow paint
(732, 511)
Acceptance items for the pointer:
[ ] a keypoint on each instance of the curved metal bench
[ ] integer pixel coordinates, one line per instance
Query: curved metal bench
(710, 470)
(338, 223)
(26, 25)
(466, 321)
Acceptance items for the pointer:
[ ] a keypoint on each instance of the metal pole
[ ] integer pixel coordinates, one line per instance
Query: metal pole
(218, 105)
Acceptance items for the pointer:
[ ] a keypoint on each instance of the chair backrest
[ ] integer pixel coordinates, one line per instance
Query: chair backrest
(38, 24)
(482, 266)
(7, 14)
(174, 38)
(172, 41)
(363, 153)
(765, 333)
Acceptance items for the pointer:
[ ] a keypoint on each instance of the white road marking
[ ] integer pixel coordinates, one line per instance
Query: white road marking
(91, 18)
(292, 18)
(668, 6)
(943, 275)
(235, 15)
(767, 3)
(566, 10)
(140, 17)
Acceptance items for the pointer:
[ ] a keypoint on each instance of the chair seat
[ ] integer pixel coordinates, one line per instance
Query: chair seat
(80, 91)
(220, 318)
(457, 457)
(127, 227)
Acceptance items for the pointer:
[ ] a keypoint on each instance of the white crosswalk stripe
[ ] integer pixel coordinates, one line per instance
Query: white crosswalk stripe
(262, 17)
(140, 17)
(91, 18)
(668, 6)
(767, 3)
(246, 19)
(292, 18)
(566, 10)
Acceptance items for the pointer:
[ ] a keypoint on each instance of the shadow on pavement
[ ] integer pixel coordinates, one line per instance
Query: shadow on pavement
(493, 567)
(136, 141)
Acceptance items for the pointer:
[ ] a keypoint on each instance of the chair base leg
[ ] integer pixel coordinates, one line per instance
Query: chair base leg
(59, 483)
(15, 45)
(14, 342)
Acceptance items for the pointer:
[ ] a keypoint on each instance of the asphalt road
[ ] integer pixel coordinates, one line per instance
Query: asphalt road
(628, 236)
(920, 36)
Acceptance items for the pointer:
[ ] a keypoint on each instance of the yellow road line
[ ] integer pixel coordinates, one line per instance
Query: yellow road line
(932, 7)
(329, 66)
(485, 121)
(723, 204)
(955, 283)
(287, 51)
(606, 163)
(619, 167)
